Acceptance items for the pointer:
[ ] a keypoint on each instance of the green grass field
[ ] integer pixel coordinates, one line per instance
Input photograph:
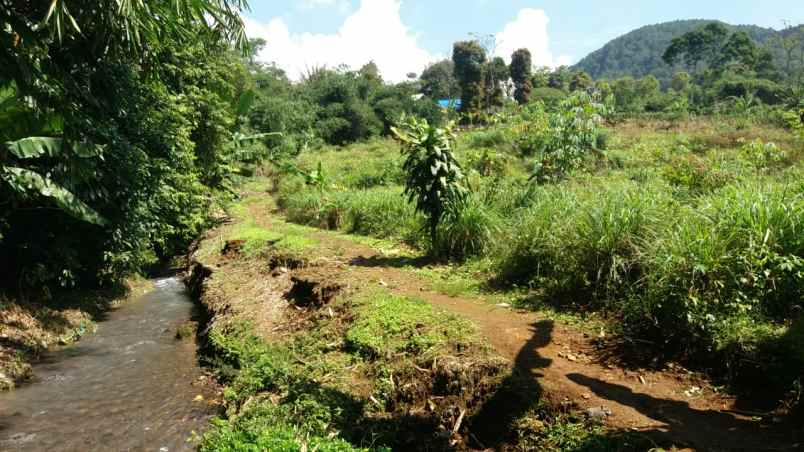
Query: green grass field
(688, 235)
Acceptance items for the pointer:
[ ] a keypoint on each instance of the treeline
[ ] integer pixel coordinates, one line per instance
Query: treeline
(717, 71)
(121, 128)
(330, 106)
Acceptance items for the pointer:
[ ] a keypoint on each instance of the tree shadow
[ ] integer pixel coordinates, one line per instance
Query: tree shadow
(518, 393)
(378, 261)
(706, 429)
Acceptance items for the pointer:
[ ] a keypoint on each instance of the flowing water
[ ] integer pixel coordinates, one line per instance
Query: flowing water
(131, 386)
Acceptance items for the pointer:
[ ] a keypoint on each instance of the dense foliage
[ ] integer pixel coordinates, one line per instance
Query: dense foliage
(438, 81)
(117, 125)
(521, 73)
(469, 59)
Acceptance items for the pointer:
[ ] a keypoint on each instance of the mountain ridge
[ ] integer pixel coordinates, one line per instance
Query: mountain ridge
(638, 53)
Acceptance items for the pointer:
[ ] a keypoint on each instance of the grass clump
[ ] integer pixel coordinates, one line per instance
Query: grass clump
(388, 326)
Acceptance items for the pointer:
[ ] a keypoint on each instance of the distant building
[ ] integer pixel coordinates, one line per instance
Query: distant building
(454, 104)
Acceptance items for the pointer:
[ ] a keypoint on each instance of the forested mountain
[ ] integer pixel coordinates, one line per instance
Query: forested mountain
(639, 53)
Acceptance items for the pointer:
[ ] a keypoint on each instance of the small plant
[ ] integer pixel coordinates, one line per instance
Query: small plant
(316, 178)
(571, 134)
(762, 155)
(433, 178)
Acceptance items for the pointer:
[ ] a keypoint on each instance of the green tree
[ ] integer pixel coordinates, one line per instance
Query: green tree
(433, 178)
(560, 78)
(521, 73)
(469, 60)
(438, 81)
(626, 95)
(699, 46)
(497, 74)
(680, 82)
(541, 77)
(581, 81)
(142, 100)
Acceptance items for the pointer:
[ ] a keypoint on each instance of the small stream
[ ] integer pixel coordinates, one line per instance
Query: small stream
(129, 387)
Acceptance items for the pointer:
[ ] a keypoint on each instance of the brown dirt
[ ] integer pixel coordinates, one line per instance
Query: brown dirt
(550, 359)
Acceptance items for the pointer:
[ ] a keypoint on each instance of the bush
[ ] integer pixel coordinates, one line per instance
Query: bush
(762, 155)
(571, 134)
(740, 255)
(767, 91)
(489, 138)
(470, 230)
(694, 174)
(547, 96)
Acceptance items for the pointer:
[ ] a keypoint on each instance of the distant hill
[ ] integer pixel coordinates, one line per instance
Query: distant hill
(639, 52)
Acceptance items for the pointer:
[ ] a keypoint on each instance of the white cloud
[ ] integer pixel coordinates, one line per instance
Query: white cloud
(374, 32)
(342, 5)
(529, 30)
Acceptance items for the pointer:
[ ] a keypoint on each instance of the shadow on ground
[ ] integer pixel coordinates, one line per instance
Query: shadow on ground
(378, 261)
(519, 392)
(705, 429)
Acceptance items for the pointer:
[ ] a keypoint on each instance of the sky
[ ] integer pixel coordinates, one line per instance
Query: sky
(404, 36)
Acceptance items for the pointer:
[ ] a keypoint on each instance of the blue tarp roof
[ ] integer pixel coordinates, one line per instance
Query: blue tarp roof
(447, 103)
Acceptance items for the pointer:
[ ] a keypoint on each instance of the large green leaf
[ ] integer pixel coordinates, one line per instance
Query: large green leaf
(23, 180)
(32, 147)
(245, 102)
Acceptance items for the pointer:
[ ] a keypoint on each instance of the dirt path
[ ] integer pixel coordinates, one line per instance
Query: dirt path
(553, 360)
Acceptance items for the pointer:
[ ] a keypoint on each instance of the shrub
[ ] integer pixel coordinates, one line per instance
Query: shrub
(571, 134)
(762, 155)
(694, 174)
(468, 231)
(547, 96)
(488, 138)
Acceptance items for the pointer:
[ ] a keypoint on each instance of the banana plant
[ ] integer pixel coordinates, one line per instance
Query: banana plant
(28, 183)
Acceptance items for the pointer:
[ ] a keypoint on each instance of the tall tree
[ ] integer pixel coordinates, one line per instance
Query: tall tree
(560, 78)
(469, 59)
(438, 81)
(581, 81)
(521, 73)
(497, 75)
(680, 82)
(699, 46)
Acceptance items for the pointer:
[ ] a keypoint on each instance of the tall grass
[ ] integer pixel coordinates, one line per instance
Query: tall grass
(694, 244)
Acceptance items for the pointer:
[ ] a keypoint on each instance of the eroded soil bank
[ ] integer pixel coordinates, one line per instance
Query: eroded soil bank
(131, 386)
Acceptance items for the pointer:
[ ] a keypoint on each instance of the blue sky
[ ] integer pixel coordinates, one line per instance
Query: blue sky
(308, 33)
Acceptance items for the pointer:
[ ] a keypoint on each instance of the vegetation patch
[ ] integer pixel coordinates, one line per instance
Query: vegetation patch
(365, 369)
